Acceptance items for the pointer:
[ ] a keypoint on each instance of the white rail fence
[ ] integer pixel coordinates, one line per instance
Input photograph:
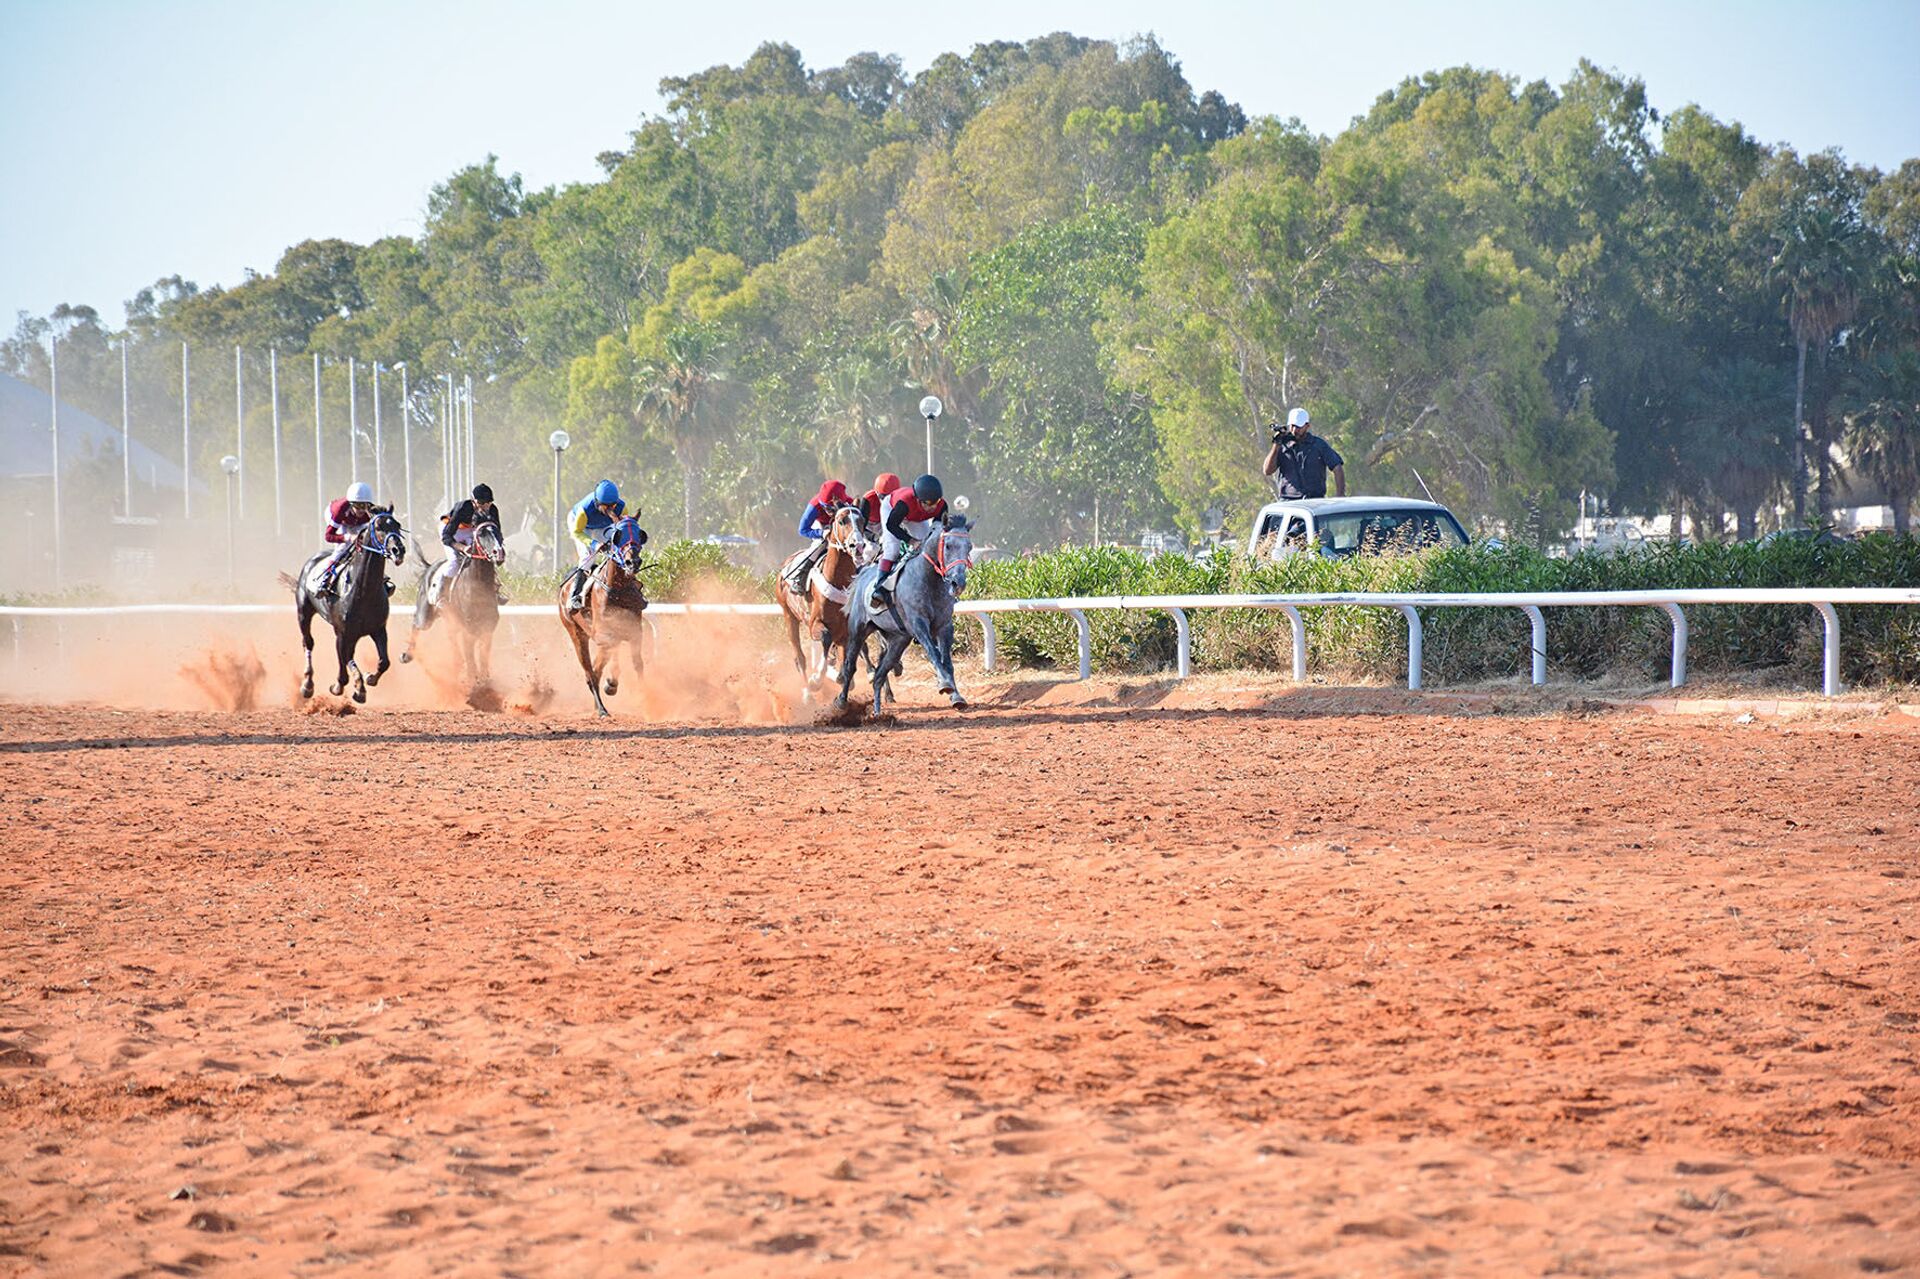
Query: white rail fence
(1825, 601)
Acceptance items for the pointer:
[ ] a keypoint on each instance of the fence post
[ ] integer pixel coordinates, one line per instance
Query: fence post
(1830, 672)
(987, 648)
(1299, 625)
(1412, 615)
(1184, 642)
(1086, 642)
(1679, 643)
(1539, 621)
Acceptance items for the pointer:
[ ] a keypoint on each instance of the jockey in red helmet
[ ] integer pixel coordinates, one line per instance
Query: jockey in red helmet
(814, 522)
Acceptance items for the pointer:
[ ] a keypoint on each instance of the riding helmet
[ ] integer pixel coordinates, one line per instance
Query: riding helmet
(482, 493)
(361, 491)
(885, 483)
(606, 493)
(927, 489)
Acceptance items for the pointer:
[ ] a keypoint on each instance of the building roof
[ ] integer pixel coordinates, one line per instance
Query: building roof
(26, 439)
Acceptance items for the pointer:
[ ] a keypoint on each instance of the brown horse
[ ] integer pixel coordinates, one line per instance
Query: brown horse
(612, 615)
(821, 610)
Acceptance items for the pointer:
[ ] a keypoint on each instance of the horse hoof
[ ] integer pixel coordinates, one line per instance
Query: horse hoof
(306, 690)
(405, 658)
(360, 696)
(335, 689)
(959, 702)
(613, 687)
(373, 680)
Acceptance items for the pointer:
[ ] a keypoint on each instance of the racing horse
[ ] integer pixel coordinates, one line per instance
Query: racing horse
(612, 613)
(357, 609)
(821, 610)
(922, 610)
(472, 604)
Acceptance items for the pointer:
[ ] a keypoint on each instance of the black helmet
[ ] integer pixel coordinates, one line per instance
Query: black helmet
(481, 493)
(927, 490)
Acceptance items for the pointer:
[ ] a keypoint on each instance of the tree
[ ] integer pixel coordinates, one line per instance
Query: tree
(677, 384)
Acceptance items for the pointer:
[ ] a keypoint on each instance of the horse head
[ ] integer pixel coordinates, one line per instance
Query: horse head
(487, 544)
(847, 533)
(626, 539)
(385, 536)
(949, 552)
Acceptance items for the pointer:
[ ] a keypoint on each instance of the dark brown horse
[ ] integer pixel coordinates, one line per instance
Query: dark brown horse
(612, 614)
(471, 603)
(820, 611)
(357, 607)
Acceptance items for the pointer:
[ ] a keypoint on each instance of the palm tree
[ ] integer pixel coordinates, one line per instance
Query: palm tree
(852, 412)
(676, 391)
(1818, 263)
(1883, 426)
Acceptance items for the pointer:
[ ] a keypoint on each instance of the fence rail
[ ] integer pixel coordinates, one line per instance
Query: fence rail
(1826, 601)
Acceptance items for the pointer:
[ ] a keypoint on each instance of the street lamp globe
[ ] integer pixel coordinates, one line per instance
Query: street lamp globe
(930, 407)
(558, 441)
(230, 464)
(962, 504)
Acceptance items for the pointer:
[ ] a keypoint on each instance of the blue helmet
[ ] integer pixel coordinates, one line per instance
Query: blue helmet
(606, 493)
(927, 489)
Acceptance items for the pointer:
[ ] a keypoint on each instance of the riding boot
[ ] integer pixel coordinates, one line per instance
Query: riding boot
(882, 593)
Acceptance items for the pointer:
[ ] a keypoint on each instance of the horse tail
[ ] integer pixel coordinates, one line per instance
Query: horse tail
(289, 581)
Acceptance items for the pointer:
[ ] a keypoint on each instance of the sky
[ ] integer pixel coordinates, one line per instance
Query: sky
(203, 137)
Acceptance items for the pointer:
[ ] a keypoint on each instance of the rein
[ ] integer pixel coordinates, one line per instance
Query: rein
(938, 555)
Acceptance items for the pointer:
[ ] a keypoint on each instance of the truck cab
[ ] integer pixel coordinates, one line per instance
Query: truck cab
(1337, 527)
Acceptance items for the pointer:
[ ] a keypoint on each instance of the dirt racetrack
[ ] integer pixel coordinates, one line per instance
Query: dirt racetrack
(1043, 989)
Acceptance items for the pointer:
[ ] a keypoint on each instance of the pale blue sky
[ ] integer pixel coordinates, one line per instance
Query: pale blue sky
(204, 136)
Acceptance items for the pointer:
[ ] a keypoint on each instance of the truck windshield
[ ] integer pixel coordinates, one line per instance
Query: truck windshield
(1385, 532)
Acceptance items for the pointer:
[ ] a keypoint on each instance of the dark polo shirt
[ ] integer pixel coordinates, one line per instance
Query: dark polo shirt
(1303, 466)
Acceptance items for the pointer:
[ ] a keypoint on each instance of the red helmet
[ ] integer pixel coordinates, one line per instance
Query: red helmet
(832, 493)
(885, 483)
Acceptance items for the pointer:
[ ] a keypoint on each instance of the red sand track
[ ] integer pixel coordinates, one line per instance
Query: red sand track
(1036, 990)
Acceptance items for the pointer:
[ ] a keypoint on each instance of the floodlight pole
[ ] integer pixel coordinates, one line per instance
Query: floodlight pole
(186, 437)
(319, 449)
(379, 472)
(406, 437)
(273, 382)
(126, 435)
(240, 429)
(353, 420)
(558, 442)
(53, 387)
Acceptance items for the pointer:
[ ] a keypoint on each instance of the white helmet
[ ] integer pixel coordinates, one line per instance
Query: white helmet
(1298, 417)
(360, 492)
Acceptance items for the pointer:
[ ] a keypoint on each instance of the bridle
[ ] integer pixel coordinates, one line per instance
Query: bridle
(937, 556)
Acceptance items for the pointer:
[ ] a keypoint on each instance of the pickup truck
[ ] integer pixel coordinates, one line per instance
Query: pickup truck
(1342, 526)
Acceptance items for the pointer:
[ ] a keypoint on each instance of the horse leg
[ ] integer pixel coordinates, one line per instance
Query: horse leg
(380, 648)
(849, 662)
(889, 658)
(610, 661)
(793, 638)
(306, 642)
(343, 653)
(583, 649)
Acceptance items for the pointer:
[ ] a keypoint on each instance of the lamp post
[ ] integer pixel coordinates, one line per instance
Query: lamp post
(930, 409)
(319, 450)
(126, 437)
(353, 420)
(273, 384)
(240, 424)
(379, 449)
(186, 436)
(558, 442)
(231, 465)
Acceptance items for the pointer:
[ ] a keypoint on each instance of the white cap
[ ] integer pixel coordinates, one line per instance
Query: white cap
(361, 492)
(1298, 417)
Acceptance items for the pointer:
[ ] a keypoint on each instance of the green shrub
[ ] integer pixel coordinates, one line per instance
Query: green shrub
(1880, 644)
(674, 571)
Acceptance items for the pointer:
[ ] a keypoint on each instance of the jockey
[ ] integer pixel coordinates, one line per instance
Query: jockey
(909, 517)
(457, 528)
(814, 522)
(593, 518)
(347, 517)
(875, 497)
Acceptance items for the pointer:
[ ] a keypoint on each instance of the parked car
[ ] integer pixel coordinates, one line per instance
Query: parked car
(1342, 526)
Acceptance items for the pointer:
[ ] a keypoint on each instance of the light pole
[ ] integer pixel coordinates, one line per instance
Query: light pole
(930, 409)
(240, 425)
(126, 436)
(53, 395)
(379, 452)
(406, 438)
(558, 442)
(353, 421)
(231, 465)
(273, 383)
(319, 450)
(186, 438)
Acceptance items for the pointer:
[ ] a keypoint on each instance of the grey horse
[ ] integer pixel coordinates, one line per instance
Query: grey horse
(922, 610)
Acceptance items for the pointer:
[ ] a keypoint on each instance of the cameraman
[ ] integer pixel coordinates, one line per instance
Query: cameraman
(1303, 460)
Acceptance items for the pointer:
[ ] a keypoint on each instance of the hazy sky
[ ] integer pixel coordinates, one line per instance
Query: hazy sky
(205, 136)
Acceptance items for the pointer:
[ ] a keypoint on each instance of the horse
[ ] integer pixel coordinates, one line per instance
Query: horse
(612, 616)
(358, 607)
(822, 608)
(922, 610)
(472, 603)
